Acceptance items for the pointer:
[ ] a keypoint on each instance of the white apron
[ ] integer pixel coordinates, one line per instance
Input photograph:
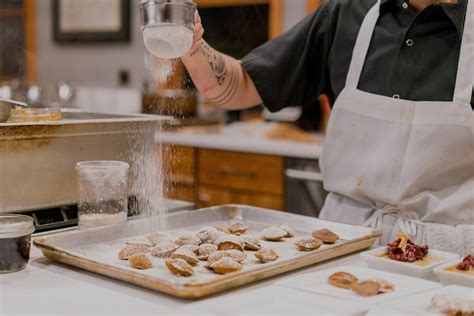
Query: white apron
(398, 165)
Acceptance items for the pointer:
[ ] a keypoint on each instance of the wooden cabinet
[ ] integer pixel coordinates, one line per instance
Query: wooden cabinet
(213, 177)
(179, 172)
(210, 196)
(241, 171)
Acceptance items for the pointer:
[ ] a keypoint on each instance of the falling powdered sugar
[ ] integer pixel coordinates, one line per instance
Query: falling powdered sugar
(160, 70)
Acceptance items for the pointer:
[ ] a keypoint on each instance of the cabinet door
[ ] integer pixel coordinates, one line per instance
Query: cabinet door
(181, 192)
(241, 171)
(211, 196)
(179, 164)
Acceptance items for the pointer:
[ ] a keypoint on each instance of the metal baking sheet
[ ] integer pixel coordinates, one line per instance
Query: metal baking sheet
(96, 250)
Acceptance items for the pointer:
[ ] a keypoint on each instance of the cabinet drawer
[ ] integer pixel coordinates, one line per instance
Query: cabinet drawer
(211, 196)
(182, 192)
(241, 171)
(179, 164)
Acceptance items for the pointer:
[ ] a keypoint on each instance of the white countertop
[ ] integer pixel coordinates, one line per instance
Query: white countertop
(47, 288)
(244, 137)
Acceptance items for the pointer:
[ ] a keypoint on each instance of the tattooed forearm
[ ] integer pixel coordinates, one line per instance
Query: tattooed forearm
(216, 61)
(230, 90)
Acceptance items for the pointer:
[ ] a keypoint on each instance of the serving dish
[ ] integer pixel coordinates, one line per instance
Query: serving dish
(421, 304)
(448, 274)
(317, 282)
(377, 259)
(96, 249)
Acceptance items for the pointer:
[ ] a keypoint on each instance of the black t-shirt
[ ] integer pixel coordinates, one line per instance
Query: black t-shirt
(413, 56)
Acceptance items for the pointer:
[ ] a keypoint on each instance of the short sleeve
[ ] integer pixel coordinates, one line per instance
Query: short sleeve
(292, 69)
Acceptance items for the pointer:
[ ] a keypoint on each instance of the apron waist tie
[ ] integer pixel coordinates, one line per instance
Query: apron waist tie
(408, 221)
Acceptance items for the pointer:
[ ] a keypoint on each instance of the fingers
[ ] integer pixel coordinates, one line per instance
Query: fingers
(198, 32)
(197, 18)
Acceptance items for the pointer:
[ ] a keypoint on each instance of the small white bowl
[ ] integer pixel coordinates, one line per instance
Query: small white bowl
(375, 260)
(451, 277)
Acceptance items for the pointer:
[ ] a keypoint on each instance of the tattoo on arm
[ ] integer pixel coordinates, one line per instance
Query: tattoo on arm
(216, 61)
(230, 90)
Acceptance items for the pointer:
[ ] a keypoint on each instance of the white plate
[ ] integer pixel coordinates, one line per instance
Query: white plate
(420, 304)
(318, 282)
(450, 277)
(271, 300)
(374, 260)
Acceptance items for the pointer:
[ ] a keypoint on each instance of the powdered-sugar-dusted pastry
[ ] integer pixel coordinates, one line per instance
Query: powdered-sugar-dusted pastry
(185, 254)
(225, 265)
(251, 243)
(163, 249)
(237, 228)
(308, 244)
(179, 267)
(290, 232)
(188, 239)
(205, 250)
(266, 255)
(326, 236)
(226, 242)
(131, 249)
(274, 233)
(140, 261)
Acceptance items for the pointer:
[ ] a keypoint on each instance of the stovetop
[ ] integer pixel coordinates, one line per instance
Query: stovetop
(66, 216)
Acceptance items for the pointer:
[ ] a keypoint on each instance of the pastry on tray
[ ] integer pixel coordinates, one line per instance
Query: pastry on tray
(225, 265)
(274, 233)
(326, 236)
(179, 267)
(227, 242)
(251, 243)
(205, 250)
(237, 228)
(234, 254)
(185, 254)
(131, 249)
(140, 261)
(265, 255)
(163, 249)
(308, 244)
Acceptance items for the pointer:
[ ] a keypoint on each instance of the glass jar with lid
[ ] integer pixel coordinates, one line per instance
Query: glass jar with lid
(15, 240)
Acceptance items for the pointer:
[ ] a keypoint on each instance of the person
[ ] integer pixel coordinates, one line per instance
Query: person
(398, 153)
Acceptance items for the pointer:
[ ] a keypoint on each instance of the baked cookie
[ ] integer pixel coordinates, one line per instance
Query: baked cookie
(227, 242)
(237, 228)
(225, 265)
(185, 254)
(222, 229)
(179, 267)
(190, 247)
(205, 250)
(290, 232)
(325, 235)
(132, 248)
(343, 280)
(274, 233)
(234, 254)
(163, 249)
(140, 261)
(266, 255)
(208, 235)
(308, 244)
(366, 288)
(187, 240)
(251, 243)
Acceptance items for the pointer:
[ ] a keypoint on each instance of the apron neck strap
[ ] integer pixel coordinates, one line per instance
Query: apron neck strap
(362, 46)
(465, 75)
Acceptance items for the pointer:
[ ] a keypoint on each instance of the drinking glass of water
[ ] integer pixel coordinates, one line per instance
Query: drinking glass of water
(103, 193)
